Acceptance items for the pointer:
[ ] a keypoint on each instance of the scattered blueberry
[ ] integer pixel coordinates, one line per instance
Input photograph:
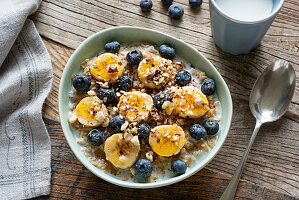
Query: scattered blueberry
(143, 130)
(211, 126)
(81, 83)
(143, 168)
(115, 124)
(125, 83)
(146, 5)
(167, 2)
(134, 57)
(178, 167)
(197, 131)
(182, 78)
(95, 137)
(112, 47)
(160, 98)
(107, 95)
(175, 11)
(195, 3)
(208, 86)
(167, 51)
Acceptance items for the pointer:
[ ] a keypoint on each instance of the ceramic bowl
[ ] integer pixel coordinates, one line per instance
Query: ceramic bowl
(95, 43)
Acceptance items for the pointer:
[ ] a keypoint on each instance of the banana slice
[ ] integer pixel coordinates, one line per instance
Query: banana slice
(155, 72)
(107, 67)
(190, 101)
(135, 106)
(91, 111)
(167, 140)
(120, 152)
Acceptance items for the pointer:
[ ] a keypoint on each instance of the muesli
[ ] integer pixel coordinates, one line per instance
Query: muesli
(140, 111)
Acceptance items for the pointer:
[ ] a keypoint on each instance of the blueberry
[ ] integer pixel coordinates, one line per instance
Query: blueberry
(211, 126)
(175, 11)
(167, 51)
(167, 2)
(208, 86)
(112, 47)
(160, 98)
(182, 78)
(107, 95)
(146, 5)
(81, 83)
(125, 83)
(143, 130)
(178, 167)
(143, 168)
(95, 137)
(134, 57)
(195, 3)
(197, 131)
(115, 124)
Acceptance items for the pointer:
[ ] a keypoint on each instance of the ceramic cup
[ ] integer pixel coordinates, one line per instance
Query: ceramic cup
(236, 36)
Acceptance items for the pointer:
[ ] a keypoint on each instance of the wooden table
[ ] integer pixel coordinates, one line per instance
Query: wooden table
(272, 170)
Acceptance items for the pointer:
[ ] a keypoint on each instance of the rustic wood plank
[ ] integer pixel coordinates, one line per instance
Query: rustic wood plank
(274, 150)
(70, 22)
(59, 56)
(71, 180)
(273, 162)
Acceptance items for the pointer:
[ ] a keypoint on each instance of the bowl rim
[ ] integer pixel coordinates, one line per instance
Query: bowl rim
(126, 184)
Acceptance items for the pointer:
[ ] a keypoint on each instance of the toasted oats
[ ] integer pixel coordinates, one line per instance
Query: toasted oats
(191, 149)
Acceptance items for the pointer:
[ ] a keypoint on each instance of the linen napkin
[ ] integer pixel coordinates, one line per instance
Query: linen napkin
(25, 82)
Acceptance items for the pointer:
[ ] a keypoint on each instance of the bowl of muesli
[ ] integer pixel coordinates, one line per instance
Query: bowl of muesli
(142, 109)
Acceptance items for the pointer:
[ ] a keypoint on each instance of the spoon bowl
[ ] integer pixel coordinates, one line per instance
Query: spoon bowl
(269, 100)
(273, 92)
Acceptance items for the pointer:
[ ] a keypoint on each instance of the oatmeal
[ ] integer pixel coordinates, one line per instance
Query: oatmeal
(139, 114)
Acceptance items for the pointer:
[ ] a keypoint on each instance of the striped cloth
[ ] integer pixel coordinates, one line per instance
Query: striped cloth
(25, 82)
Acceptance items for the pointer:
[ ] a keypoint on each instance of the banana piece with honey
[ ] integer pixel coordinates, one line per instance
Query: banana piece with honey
(92, 112)
(167, 140)
(189, 101)
(121, 152)
(135, 106)
(107, 67)
(155, 72)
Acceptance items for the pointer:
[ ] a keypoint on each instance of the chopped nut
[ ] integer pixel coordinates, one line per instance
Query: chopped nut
(91, 93)
(124, 126)
(73, 117)
(103, 84)
(149, 156)
(134, 130)
(106, 122)
(128, 136)
(100, 116)
(132, 171)
(81, 141)
(135, 140)
(168, 107)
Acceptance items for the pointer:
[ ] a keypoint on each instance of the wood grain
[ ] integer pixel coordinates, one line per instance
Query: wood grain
(69, 22)
(71, 180)
(274, 159)
(59, 56)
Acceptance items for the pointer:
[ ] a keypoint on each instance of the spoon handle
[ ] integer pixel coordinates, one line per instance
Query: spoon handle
(230, 191)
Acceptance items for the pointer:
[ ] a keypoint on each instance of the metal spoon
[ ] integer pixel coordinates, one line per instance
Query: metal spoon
(268, 101)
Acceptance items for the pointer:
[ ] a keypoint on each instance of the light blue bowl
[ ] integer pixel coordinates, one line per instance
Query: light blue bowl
(95, 43)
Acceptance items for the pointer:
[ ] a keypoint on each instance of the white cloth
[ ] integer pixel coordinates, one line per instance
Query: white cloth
(25, 82)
